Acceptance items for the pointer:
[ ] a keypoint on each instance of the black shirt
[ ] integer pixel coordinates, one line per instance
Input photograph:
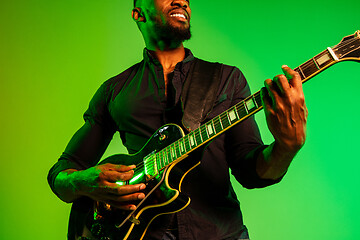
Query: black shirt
(134, 103)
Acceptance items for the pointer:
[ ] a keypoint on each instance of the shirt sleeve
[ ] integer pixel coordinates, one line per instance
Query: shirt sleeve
(90, 142)
(243, 142)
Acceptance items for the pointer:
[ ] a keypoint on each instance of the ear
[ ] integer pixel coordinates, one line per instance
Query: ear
(137, 15)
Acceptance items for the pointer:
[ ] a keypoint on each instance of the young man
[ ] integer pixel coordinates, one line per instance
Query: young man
(143, 98)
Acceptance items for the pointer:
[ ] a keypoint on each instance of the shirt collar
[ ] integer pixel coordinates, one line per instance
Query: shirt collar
(149, 58)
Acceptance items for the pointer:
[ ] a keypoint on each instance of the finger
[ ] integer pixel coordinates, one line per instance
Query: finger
(124, 168)
(265, 98)
(116, 167)
(271, 88)
(124, 198)
(130, 197)
(115, 189)
(114, 176)
(122, 206)
(293, 76)
(282, 84)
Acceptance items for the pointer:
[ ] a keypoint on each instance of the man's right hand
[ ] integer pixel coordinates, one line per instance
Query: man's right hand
(99, 183)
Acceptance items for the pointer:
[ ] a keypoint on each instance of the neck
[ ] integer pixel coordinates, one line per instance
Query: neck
(167, 54)
(169, 58)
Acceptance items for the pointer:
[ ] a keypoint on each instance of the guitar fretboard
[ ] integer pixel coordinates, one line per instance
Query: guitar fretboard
(235, 114)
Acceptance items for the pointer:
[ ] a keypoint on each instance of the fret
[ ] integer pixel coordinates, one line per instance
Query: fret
(182, 146)
(317, 66)
(192, 140)
(198, 136)
(163, 157)
(204, 134)
(224, 120)
(168, 156)
(155, 165)
(243, 103)
(258, 99)
(217, 124)
(158, 160)
(232, 115)
(309, 68)
(242, 111)
(173, 153)
(187, 143)
(253, 98)
(227, 117)
(177, 149)
(301, 72)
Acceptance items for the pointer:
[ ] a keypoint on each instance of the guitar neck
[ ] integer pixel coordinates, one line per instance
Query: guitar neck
(317, 64)
(235, 114)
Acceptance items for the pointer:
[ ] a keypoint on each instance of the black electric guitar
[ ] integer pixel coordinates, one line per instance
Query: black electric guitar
(159, 160)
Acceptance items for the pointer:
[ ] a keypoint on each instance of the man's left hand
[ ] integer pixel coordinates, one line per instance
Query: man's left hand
(285, 110)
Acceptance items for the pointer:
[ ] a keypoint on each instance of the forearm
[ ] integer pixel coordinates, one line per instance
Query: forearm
(273, 161)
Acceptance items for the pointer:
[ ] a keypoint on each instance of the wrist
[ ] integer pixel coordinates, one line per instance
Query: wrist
(67, 186)
(284, 148)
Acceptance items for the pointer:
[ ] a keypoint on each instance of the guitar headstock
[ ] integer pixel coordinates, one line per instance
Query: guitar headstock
(348, 48)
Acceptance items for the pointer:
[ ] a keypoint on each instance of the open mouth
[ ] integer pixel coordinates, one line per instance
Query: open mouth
(179, 15)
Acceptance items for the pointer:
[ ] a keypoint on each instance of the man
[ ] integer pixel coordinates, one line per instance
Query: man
(141, 99)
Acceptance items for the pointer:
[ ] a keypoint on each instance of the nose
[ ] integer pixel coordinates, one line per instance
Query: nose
(181, 3)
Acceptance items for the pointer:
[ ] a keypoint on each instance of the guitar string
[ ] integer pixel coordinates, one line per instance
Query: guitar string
(340, 45)
(347, 42)
(240, 106)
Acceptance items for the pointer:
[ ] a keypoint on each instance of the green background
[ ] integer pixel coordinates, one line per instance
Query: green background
(55, 54)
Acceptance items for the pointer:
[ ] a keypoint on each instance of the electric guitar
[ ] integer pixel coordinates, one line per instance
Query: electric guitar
(157, 163)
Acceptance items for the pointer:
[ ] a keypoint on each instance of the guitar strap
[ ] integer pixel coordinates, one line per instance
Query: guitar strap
(199, 92)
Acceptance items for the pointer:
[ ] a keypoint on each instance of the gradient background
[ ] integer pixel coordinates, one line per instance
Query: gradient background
(55, 54)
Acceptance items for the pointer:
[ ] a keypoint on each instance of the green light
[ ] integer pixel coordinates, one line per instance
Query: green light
(137, 177)
(120, 183)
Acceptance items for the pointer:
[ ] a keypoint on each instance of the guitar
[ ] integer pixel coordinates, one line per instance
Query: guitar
(158, 162)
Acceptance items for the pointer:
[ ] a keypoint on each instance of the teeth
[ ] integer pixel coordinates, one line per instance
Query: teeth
(178, 15)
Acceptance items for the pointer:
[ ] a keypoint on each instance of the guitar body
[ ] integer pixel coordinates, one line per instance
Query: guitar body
(163, 195)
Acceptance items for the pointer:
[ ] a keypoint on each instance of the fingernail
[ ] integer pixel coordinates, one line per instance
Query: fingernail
(142, 186)
(284, 66)
(141, 196)
(132, 208)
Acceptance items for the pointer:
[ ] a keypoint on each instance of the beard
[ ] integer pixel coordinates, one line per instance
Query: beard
(170, 33)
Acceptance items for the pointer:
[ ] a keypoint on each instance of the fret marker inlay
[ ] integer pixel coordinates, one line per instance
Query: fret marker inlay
(250, 104)
(323, 59)
(232, 115)
(210, 129)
